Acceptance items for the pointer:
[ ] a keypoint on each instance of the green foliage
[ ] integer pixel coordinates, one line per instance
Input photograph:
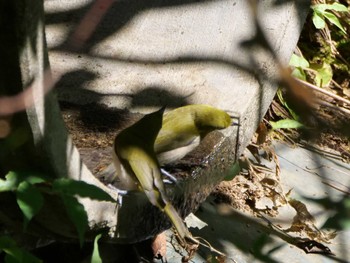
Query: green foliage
(16, 138)
(68, 189)
(29, 200)
(10, 183)
(15, 254)
(72, 187)
(96, 258)
(235, 169)
(323, 59)
(320, 13)
(13, 179)
(323, 72)
(285, 104)
(286, 124)
(341, 219)
(299, 64)
(77, 215)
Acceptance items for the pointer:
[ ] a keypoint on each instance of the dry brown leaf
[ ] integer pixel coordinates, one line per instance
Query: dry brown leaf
(262, 133)
(304, 224)
(159, 246)
(313, 247)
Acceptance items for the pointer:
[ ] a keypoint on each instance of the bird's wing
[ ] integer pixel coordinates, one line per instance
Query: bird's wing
(148, 174)
(173, 155)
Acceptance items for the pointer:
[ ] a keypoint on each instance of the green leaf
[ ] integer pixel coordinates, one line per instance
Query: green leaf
(285, 104)
(34, 178)
(77, 215)
(334, 20)
(6, 242)
(320, 13)
(345, 223)
(14, 178)
(299, 73)
(286, 124)
(17, 138)
(14, 253)
(335, 6)
(338, 7)
(318, 20)
(280, 96)
(235, 169)
(29, 200)
(96, 258)
(296, 61)
(81, 188)
(10, 183)
(324, 75)
(21, 256)
(341, 219)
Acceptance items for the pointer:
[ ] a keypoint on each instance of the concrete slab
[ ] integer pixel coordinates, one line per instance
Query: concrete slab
(143, 55)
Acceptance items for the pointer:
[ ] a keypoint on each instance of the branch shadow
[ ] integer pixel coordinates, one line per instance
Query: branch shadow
(116, 17)
(251, 236)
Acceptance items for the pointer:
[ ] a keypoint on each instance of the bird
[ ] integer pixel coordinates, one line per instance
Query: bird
(157, 139)
(183, 129)
(136, 159)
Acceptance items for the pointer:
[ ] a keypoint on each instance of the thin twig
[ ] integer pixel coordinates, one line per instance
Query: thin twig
(330, 184)
(336, 84)
(330, 105)
(342, 58)
(314, 87)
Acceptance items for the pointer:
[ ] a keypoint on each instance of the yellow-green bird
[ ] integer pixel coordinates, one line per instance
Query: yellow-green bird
(184, 127)
(181, 131)
(136, 159)
(167, 138)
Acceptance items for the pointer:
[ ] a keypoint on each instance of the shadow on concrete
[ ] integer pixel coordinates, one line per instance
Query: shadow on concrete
(71, 86)
(253, 238)
(117, 16)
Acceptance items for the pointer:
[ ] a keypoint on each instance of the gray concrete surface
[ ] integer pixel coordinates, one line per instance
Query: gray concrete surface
(146, 54)
(244, 238)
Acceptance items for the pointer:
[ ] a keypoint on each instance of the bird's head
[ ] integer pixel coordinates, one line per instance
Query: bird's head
(208, 118)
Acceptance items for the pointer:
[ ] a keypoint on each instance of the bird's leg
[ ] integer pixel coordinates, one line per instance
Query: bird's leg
(121, 193)
(183, 233)
(171, 179)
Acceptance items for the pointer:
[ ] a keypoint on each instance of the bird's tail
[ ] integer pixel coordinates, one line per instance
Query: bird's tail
(179, 224)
